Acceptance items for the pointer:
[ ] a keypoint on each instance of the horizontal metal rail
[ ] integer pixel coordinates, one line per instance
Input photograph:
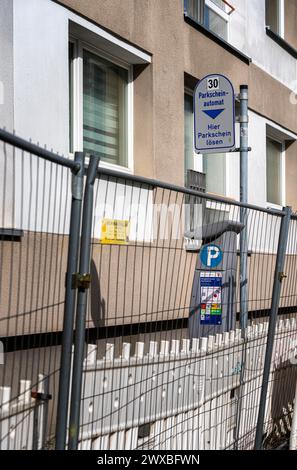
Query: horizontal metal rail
(34, 149)
(181, 189)
(31, 148)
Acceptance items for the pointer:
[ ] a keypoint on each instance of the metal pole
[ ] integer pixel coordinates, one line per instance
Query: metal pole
(73, 249)
(243, 266)
(278, 277)
(28, 147)
(243, 210)
(181, 189)
(82, 283)
(293, 436)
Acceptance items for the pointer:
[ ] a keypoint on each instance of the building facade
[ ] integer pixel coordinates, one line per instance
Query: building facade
(117, 78)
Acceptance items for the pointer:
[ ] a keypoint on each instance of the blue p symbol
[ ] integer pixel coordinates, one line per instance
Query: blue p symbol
(211, 256)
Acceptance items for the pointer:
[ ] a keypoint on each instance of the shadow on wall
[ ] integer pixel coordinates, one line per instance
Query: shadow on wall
(98, 305)
(283, 393)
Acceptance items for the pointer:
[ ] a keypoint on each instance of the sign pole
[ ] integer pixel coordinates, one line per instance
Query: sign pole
(243, 267)
(243, 211)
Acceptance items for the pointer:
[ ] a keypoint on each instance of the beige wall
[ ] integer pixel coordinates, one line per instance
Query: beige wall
(139, 284)
(136, 283)
(32, 284)
(176, 47)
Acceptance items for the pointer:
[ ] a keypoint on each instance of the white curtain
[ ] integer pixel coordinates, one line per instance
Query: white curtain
(105, 109)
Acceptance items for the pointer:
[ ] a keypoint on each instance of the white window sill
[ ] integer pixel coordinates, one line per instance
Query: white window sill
(270, 205)
(119, 168)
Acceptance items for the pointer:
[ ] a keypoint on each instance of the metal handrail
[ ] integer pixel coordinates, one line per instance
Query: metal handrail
(172, 187)
(34, 149)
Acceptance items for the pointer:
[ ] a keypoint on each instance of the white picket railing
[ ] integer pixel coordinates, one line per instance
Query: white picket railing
(179, 395)
(185, 393)
(21, 417)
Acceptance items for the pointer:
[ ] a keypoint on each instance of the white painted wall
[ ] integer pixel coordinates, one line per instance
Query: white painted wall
(34, 70)
(256, 163)
(41, 73)
(6, 64)
(40, 48)
(34, 37)
(248, 34)
(257, 160)
(36, 77)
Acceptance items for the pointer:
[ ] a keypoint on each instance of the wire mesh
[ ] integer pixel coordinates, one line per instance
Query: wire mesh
(166, 364)
(151, 381)
(34, 229)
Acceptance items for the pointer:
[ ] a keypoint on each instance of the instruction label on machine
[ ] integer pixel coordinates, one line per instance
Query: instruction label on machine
(211, 298)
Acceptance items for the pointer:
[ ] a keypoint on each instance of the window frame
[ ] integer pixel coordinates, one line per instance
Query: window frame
(198, 164)
(281, 19)
(198, 161)
(79, 45)
(216, 9)
(271, 205)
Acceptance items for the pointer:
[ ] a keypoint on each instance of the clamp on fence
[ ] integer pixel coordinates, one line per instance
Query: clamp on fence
(281, 276)
(81, 281)
(41, 396)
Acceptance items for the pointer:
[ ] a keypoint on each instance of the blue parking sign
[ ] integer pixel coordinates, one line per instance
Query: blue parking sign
(211, 256)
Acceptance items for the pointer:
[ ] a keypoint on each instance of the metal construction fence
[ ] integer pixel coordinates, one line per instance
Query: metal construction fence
(136, 314)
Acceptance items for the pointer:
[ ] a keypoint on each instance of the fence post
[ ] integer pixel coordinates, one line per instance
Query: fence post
(66, 349)
(40, 415)
(82, 283)
(243, 245)
(293, 436)
(278, 277)
(244, 119)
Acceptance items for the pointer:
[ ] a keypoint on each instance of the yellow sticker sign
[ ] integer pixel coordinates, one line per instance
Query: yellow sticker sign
(115, 232)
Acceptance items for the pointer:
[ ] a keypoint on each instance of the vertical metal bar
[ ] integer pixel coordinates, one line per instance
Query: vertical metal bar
(40, 415)
(36, 423)
(45, 410)
(84, 268)
(243, 211)
(293, 436)
(278, 276)
(73, 249)
(243, 263)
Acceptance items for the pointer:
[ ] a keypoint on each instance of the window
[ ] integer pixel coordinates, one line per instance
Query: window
(213, 165)
(189, 134)
(99, 104)
(215, 23)
(274, 16)
(274, 173)
(195, 9)
(209, 13)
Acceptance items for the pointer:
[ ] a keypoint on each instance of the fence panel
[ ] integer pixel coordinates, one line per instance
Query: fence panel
(35, 198)
(185, 398)
(166, 365)
(146, 283)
